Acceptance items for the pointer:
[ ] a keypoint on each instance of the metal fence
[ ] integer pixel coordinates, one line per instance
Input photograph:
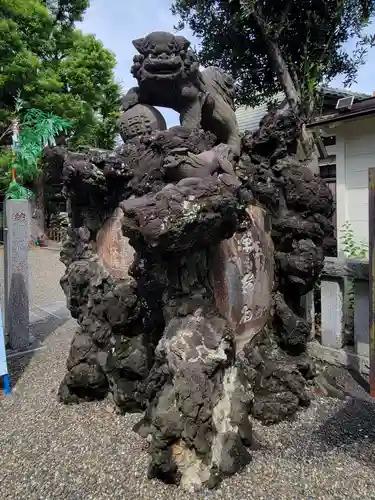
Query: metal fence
(57, 234)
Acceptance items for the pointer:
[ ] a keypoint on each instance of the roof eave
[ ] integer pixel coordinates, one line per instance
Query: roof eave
(341, 118)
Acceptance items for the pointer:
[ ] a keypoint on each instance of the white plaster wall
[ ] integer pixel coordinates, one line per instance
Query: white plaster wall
(359, 138)
(341, 212)
(355, 154)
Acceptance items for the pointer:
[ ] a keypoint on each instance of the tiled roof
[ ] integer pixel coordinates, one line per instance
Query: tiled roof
(248, 117)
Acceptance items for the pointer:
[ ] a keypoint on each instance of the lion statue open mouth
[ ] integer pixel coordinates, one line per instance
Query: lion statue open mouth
(159, 67)
(168, 75)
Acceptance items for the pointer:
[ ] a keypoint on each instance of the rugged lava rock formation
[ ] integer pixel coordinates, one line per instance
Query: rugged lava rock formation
(153, 337)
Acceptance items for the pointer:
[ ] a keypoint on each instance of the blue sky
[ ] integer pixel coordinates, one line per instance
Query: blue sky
(117, 22)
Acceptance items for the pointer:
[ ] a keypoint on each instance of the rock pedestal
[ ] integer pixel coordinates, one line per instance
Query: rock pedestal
(204, 331)
(113, 248)
(205, 328)
(242, 273)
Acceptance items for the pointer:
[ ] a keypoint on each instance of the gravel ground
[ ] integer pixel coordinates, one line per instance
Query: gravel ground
(50, 451)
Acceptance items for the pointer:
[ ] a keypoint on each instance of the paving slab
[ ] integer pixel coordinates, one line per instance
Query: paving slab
(45, 272)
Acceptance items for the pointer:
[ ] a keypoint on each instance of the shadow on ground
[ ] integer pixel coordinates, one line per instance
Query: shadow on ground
(39, 331)
(351, 429)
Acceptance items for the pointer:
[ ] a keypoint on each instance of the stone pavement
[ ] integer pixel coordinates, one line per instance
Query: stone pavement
(43, 321)
(45, 271)
(56, 310)
(47, 301)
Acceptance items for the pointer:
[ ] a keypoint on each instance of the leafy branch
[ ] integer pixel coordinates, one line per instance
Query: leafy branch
(31, 134)
(350, 247)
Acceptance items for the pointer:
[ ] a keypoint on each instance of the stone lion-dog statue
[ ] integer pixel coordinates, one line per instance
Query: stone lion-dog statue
(168, 75)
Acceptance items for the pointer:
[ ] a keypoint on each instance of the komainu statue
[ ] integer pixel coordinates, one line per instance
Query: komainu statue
(168, 75)
(186, 259)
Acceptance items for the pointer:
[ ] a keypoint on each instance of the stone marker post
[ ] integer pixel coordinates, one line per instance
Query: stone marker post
(17, 273)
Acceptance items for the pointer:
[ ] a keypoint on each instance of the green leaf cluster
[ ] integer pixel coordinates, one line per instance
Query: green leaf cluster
(16, 191)
(311, 35)
(350, 246)
(6, 158)
(56, 67)
(37, 130)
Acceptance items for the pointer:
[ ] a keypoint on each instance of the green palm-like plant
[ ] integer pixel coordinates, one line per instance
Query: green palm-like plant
(31, 135)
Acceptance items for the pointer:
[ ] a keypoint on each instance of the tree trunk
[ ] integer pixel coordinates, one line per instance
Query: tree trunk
(38, 226)
(285, 78)
(279, 64)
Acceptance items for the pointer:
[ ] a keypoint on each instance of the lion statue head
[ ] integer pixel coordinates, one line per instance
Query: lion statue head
(163, 56)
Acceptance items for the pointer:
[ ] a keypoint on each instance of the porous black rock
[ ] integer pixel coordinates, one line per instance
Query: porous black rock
(154, 338)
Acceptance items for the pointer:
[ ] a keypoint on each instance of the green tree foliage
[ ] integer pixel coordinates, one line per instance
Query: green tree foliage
(36, 131)
(56, 68)
(273, 45)
(66, 12)
(6, 158)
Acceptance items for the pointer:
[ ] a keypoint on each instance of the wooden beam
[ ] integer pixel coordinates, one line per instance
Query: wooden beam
(371, 219)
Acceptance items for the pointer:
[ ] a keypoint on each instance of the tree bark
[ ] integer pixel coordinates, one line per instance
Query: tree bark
(283, 75)
(285, 78)
(279, 64)
(38, 212)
